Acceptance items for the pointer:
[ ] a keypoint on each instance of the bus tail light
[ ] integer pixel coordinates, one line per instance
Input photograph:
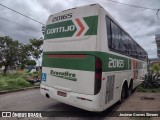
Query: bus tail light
(98, 75)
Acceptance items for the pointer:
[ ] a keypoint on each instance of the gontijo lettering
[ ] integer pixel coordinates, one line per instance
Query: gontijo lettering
(61, 29)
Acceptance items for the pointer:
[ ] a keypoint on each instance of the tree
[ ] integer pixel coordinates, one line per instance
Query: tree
(1, 64)
(23, 55)
(36, 48)
(31, 62)
(8, 52)
(14, 53)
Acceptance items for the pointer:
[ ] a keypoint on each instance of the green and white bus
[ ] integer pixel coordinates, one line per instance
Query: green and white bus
(89, 60)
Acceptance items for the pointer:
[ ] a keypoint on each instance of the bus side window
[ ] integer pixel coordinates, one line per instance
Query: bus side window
(132, 47)
(109, 34)
(116, 33)
(125, 43)
(119, 41)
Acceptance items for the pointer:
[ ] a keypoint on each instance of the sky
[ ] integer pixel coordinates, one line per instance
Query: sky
(141, 24)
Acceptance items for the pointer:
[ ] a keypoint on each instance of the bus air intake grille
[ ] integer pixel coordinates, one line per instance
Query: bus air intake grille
(109, 88)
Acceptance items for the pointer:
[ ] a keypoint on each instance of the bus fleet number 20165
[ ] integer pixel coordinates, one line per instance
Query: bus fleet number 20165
(115, 63)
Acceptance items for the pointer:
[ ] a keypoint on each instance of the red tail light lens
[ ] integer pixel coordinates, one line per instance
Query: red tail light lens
(98, 75)
(98, 63)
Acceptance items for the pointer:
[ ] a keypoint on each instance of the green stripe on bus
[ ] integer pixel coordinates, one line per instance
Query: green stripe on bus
(86, 63)
(92, 23)
(68, 28)
(109, 62)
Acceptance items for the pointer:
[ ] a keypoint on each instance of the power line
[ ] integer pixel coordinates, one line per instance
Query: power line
(12, 35)
(6, 33)
(22, 14)
(19, 24)
(132, 5)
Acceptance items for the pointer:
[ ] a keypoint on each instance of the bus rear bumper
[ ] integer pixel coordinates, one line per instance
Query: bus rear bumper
(86, 102)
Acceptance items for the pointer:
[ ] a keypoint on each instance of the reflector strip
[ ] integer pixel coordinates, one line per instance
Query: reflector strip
(67, 56)
(81, 98)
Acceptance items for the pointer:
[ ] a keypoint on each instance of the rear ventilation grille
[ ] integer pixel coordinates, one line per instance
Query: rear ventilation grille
(109, 88)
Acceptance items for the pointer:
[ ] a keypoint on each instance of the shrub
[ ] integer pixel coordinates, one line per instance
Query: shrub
(151, 80)
(155, 68)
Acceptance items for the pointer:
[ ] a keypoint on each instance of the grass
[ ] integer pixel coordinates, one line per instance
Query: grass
(151, 90)
(32, 75)
(13, 81)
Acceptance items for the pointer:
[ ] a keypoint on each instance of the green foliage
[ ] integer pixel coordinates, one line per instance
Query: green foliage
(13, 53)
(31, 62)
(22, 66)
(13, 81)
(9, 51)
(155, 68)
(1, 64)
(24, 55)
(36, 49)
(140, 88)
(32, 75)
(151, 80)
(36, 74)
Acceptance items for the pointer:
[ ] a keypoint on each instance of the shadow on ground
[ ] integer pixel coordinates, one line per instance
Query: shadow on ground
(63, 110)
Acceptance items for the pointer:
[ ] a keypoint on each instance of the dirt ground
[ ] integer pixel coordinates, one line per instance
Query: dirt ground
(140, 101)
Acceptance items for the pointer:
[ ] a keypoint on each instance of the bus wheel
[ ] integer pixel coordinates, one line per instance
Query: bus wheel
(130, 90)
(123, 94)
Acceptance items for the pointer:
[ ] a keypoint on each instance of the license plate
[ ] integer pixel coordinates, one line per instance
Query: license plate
(60, 93)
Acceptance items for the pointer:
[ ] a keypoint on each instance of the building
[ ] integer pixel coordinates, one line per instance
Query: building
(157, 39)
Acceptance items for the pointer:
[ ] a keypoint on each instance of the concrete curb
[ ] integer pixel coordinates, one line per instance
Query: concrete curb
(18, 90)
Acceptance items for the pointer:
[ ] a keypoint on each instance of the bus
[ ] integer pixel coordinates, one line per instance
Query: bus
(89, 61)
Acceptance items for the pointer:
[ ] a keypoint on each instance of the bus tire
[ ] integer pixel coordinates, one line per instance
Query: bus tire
(124, 92)
(130, 89)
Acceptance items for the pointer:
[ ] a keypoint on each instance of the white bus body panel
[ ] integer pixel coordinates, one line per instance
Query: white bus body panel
(85, 43)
